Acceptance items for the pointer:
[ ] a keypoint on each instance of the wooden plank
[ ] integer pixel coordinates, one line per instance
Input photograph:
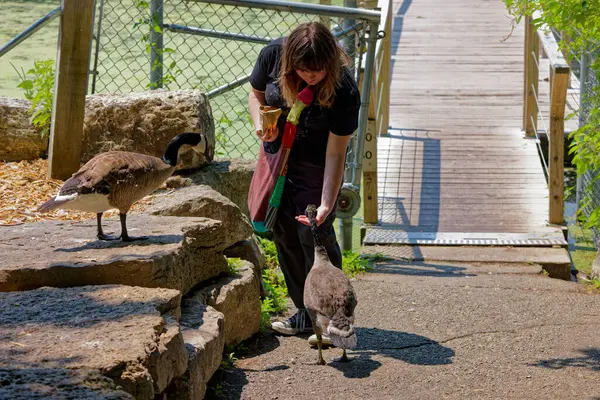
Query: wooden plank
(70, 88)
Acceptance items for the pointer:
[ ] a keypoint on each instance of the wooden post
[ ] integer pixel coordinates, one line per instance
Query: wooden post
(531, 76)
(70, 88)
(370, 162)
(558, 99)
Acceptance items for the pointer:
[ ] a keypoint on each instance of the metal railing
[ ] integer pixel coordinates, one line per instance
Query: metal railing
(533, 107)
(30, 31)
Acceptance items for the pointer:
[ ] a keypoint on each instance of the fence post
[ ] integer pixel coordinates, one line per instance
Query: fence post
(156, 44)
(70, 88)
(531, 76)
(558, 98)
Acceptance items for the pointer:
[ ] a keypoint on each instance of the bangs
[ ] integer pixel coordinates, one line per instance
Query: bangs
(310, 60)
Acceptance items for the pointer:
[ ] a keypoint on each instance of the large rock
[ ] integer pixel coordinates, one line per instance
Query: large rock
(19, 139)
(202, 329)
(179, 254)
(203, 201)
(145, 122)
(57, 384)
(230, 177)
(238, 298)
(251, 251)
(129, 334)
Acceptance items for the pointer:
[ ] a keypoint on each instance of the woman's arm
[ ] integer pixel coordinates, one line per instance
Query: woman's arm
(255, 100)
(332, 179)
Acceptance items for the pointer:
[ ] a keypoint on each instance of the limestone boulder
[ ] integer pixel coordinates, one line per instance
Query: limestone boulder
(58, 384)
(145, 122)
(19, 139)
(230, 177)
(179, 253)
(128, 334)
(238, 297)
(203, 201)
(251, 251)
(202, 329)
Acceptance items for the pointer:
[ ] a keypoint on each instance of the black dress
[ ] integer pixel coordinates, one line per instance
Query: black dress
(304, 179)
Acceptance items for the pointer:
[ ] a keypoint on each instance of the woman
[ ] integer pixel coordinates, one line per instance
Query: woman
(309, 56)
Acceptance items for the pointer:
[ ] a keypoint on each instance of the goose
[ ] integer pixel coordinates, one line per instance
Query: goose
(329, 298)
(117, 179)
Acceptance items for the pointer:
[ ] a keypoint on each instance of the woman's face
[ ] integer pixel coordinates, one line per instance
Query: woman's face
(311, 77)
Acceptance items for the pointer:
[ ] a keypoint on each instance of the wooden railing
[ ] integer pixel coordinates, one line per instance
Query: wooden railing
(379, 107)
(554, 127)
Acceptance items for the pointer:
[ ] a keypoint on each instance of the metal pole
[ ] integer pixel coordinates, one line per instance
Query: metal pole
(350, 40)
(583, 74)
(30, 31)
(301, 8)
(156, 44)
(363, 116)
(98, 34)
(346, 233)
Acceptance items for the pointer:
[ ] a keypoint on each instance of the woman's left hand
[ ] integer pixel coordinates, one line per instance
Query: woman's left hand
(322, 214)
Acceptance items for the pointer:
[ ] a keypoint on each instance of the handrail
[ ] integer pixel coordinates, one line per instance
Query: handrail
(36, 26)
(304, 8)
(559, 77)
(378, 110)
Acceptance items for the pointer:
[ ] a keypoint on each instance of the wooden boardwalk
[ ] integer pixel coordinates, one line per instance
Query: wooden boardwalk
(456, 164)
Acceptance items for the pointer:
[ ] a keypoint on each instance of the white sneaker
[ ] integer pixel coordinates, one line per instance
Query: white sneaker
(297, 323)
(325, 341)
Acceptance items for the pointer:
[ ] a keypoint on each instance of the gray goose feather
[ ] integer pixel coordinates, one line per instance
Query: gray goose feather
(329, 297)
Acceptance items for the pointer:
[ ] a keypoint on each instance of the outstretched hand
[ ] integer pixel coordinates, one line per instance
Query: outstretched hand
(322, 214)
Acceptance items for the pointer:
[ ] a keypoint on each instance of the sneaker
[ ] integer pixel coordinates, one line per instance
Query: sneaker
(297, 323)
(325, 341)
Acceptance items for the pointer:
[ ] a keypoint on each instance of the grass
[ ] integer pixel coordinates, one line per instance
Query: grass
(583, 251)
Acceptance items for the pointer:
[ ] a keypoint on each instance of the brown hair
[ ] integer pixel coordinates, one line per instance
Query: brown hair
(311, 47)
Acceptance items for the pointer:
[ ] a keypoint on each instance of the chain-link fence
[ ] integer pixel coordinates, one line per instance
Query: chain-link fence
(589, 84)
(198, 45)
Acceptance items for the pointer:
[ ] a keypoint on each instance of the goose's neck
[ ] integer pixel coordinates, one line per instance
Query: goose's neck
(320, 251)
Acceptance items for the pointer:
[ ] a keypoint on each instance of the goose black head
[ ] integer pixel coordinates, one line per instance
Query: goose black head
(196, 140)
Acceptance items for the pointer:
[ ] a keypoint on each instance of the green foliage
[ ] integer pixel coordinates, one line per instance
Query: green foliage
(354, 263)
(275, 301)
(234, 265)
(579, 21)
(38, 85)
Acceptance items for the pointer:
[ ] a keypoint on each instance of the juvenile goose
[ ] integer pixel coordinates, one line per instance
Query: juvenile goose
(329, 298)
(117, 179)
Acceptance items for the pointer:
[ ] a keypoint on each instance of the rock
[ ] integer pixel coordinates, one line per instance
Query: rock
(145, 122)
(203, 201)
(230, 177)
(202, 329)
(57, 384)
(126, 333)
(19, 139)
(179, 254)
(238, 298)
(251, 251)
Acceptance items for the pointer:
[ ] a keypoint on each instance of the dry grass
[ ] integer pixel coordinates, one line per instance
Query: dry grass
(24, 186)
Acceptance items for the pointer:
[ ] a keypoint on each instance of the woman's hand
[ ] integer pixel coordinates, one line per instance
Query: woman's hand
(268, 134)
(322, 214)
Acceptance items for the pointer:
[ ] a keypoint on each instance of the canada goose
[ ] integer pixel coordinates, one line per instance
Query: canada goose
(329, 298)
(117, 179)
